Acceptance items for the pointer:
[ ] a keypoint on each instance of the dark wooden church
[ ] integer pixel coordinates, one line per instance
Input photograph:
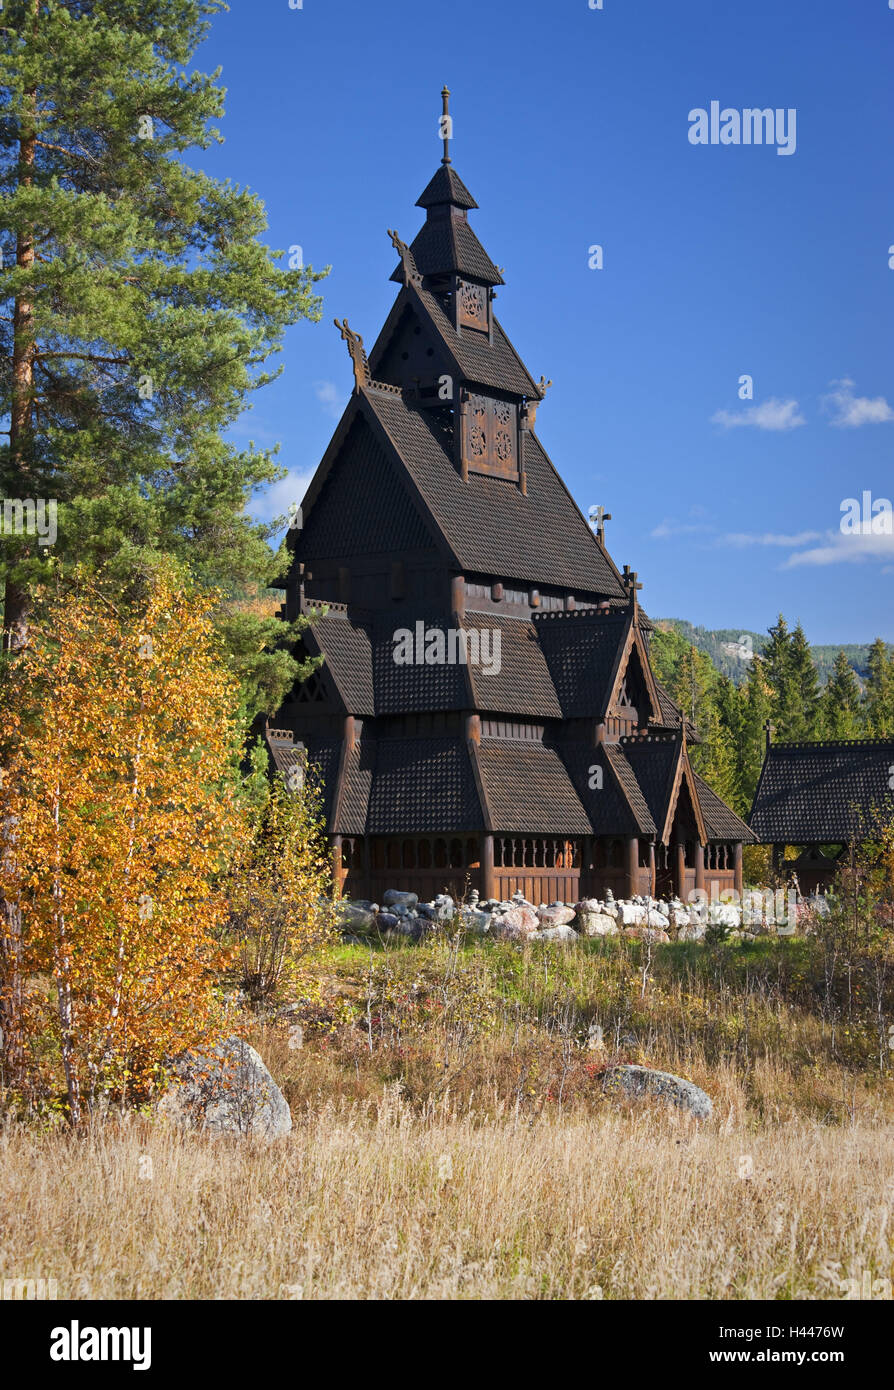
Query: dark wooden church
(486, 711)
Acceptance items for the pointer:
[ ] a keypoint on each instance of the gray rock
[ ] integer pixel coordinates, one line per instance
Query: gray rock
(560, 933)
(226, 1089)
(662, 1085)
(394, 898)
(596, 924)
(386, 921)
(518, 923)
(355, 917)
(556, 915)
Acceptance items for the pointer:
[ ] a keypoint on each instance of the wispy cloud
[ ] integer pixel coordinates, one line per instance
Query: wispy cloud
(744, 538)
(769, 415)
(850, 411)
(276, 499)
(845, 549)
(327, 393)
(668, 528)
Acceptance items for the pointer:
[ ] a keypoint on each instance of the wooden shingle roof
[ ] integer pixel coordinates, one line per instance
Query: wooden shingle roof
(529, 791)
(539, 538)
(823, 793)
(721, 822)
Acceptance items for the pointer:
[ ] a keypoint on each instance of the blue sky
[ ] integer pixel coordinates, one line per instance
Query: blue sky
(571, 129)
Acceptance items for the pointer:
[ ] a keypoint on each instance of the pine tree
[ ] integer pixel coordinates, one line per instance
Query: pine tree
(805, 687)
(878, 697)
(754, 699)
(840, 703)
(777, 658)
(139, 304)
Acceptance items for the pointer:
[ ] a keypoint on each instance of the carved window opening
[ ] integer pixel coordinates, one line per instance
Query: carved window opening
(472, 307)
(490, 436)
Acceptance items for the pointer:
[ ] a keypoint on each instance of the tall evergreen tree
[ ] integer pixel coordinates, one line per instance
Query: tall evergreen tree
(139, 305)
(754, 699)
(840, 703)
(805, 686)
(878, 696)
(777, 657)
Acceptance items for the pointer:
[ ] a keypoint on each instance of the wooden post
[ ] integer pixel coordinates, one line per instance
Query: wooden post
(737, 864)
(337, 876)
(488, 877)
(700, 866)
(632, 866)
(653, 872)
(680, 874)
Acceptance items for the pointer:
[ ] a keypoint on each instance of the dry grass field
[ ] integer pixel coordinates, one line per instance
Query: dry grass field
(451, 1140)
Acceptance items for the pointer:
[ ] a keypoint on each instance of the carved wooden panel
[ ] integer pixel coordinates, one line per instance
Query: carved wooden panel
(490, 440)
(472, 305)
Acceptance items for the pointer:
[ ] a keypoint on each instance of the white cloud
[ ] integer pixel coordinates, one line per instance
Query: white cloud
(853, 411)
(276, 499)
(847, 549)
(769, 415)
(327, 393)
(743, 538)
(669, 528)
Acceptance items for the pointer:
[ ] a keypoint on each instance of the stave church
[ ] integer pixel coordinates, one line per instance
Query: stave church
(484, 713)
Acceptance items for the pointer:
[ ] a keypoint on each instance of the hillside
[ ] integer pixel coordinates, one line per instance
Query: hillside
(725, 645)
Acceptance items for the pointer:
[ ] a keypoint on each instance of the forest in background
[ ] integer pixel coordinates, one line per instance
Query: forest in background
(783, 684)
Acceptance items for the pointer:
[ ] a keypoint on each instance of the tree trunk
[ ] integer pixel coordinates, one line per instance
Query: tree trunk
(16, 600)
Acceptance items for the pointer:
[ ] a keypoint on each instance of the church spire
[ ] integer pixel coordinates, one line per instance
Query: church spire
(446, 123)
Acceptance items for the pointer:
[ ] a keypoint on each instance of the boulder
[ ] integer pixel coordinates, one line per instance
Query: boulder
(655, 918)
(633, 914)
(475, 922)
(691, 931)
(662, 1085)
(652, 934)
(596, 924)
(556, 915)
(394, 898)
(357, 918)
(519, 923)
(562, 932)
(445, 907)
(226, 1089)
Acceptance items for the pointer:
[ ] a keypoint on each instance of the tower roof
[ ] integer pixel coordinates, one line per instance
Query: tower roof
(445, 186)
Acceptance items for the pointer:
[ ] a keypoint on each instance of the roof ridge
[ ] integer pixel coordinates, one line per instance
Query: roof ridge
(832, 743)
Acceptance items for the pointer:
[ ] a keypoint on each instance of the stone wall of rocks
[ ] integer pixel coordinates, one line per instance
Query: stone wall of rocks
(645, 919)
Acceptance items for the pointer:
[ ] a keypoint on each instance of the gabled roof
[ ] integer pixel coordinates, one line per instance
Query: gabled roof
(661, 766)
(588, 654)
(617, 807)
(491, 526)
(822, 793)
(721, 822)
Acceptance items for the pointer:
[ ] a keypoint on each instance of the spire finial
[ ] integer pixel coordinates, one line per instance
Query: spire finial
(445, 124)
